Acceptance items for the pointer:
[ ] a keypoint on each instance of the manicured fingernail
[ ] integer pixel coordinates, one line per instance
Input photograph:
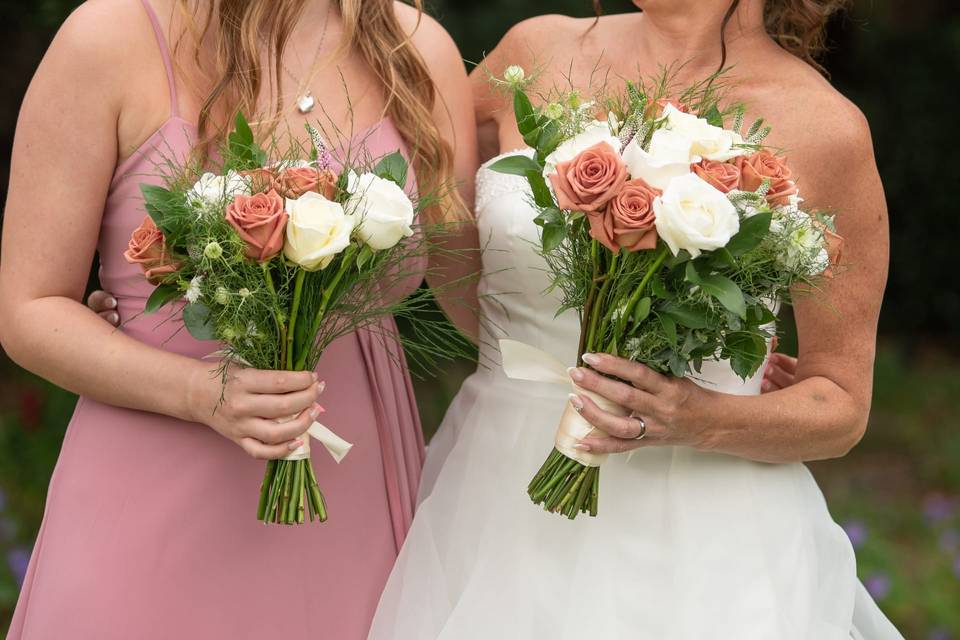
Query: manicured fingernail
(114, 318)
(111, 303)
(576, 402)
(576, 374)
(765, 385)
(591, 358)
(321, 387)
(296, 444)
(319, 408)
(315, 412)
(315, 376)
(581, 446)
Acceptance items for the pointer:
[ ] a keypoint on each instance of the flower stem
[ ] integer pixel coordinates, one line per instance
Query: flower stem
(601, 297)
(328, 291)
(294, 311)
(636, 295)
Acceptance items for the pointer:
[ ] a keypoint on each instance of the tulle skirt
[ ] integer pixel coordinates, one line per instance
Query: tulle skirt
(687, 545)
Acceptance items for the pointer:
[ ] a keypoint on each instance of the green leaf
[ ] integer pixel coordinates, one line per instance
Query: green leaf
(726, 292)
(642, 310)
(158, 202)
(691, 275)
(394, 168)
(550, 215)
(548, 139)
(714, 117)
(526, 116)
(669, 326)
(722, 258)
(541, 192)
(243, 150)
(752, 231)
(746, 352)
(659, 289)
(366, 253)
(690, 317)
(197, 319)
(553, 236)
(678, 365)
(161, 296)
(518, 165)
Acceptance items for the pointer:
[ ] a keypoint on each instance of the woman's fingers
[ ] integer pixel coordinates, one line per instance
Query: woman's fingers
(261, 451)
(785, 362)
(281, 406)
(613, 390)
(639, 375)
(101, 301)
(275, 432)
(617, 426)
(110, 316)
(258, 381)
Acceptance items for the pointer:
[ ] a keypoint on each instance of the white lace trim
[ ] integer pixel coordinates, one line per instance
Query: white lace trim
(492, 185)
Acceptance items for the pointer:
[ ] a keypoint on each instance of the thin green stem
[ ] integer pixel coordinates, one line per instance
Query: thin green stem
(328, 291)
(294, 311)
(598, 303)
(636, 295)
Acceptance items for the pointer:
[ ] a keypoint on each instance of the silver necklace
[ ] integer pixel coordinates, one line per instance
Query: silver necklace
(306, 102)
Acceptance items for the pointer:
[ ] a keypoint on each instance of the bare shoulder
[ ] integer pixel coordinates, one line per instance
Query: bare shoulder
(100, 31)
(532, 42)
(431, 40)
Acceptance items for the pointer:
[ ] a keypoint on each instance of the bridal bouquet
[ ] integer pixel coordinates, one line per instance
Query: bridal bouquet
(673, 233)
(276, 260)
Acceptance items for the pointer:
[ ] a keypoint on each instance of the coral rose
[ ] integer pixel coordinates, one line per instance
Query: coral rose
(296, 181)
(761, 166)
(724, 176)
(148, 249)
(259, 220)
(591, 180)
(629, 220)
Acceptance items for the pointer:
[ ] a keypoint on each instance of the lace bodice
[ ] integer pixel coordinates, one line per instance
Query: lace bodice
(514, 284)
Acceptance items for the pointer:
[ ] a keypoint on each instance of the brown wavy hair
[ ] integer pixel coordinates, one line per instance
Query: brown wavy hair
(370, 27)
(799, 26)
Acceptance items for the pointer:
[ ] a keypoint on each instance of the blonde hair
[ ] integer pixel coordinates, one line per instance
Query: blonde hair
(370, 27)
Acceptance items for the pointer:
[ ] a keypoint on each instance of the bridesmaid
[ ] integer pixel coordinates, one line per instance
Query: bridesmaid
(150, 528)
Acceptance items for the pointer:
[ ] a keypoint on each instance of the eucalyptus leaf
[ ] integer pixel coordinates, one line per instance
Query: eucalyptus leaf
(669, 327)
(678, 365)
(196, 317)
(746, 352)
(394, 168)
(553, 236)
(642, 310)
(690, 317)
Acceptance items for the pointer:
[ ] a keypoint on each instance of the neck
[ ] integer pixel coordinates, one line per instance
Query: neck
(689, 31)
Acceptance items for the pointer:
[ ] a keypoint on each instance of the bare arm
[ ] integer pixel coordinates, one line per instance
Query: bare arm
(64, 155)
(824, 414)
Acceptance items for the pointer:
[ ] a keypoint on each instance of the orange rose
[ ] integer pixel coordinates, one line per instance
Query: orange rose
(591, 180)
(761, 166)
(294, 182)
(260, 221)
(261, 180)
(725, 176)
(148, 248)
(628, 221)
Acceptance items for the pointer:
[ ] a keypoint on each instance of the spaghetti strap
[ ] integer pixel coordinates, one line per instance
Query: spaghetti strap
(165, 55)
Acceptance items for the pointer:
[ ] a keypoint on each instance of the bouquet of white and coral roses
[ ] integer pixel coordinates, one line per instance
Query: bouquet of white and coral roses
(276, 260)
(673, 236)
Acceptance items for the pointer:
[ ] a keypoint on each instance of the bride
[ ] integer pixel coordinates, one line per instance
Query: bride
(713, 528)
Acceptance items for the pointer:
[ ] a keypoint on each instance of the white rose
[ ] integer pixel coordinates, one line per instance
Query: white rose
(317, 231)
(382, 211)
(707, 141)
(213, 189)
(693, 215)
(668, 158)
(596, 132)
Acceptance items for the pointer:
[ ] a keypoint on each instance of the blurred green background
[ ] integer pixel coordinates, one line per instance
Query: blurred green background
(897, 494)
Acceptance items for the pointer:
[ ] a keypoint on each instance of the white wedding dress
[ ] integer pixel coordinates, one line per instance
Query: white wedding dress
(687, 545)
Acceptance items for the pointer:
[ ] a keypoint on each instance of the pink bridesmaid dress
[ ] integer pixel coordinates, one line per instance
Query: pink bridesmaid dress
(150, 529)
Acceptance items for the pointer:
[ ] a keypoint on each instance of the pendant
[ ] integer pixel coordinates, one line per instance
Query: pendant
(306, 103)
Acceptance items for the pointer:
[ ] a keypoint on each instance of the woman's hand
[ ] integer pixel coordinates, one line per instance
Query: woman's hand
(267, 413)
(669, 407)
(105, 306)
(780, 372)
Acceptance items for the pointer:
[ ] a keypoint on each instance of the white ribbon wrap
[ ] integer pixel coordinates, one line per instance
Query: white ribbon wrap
(523, 362)
(337, 447)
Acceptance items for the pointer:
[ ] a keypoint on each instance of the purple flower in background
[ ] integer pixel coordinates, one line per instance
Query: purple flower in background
(878, 585)
(17, 559)
(939, 634)
(938, 507)
(857, 532)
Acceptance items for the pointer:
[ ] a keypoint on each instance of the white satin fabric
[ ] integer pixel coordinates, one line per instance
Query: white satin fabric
(687, 545)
